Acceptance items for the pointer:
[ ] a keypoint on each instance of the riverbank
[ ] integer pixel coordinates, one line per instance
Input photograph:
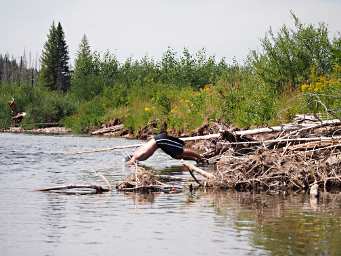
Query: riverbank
(46, 131)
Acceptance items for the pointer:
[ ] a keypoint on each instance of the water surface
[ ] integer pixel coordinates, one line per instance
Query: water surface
(203, 223)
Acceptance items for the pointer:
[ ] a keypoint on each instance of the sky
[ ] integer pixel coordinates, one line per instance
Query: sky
(136, 28)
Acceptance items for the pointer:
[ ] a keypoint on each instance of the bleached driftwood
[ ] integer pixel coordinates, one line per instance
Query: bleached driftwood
(318, 139)
(114, 128)
(98, 188)
(287, 127)
(198, 170)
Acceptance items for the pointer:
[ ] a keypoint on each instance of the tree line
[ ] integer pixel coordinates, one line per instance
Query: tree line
(17, 71)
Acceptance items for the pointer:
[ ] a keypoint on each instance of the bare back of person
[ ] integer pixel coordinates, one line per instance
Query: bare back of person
(170, 145)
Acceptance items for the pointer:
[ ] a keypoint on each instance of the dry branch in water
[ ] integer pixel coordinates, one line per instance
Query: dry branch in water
(94, 188)
(145, 181)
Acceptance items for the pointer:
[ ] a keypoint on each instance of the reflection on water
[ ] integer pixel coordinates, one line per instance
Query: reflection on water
(200, 223)
(284, 225)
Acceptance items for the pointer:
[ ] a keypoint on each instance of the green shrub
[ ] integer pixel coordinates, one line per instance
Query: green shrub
(90, 114)
(40, 104)
(288, 56)
(323, 93)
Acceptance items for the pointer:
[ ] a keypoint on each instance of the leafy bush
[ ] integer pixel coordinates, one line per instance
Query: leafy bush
(89, 115)
(40, 104)
(288, 56)
(323, 93)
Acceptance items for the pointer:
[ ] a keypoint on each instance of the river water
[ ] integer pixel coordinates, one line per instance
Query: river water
(203, 223)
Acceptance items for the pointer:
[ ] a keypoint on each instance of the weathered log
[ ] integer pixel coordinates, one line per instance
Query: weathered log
(280, 128)
(99, 189)
(318, 139)
(114, 128)
(199, 171)
(287, 127)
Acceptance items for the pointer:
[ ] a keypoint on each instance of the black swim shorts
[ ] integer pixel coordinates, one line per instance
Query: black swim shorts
(170, 145)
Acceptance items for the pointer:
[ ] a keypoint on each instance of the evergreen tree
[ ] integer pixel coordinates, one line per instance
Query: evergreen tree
(48, 59)
(63, 74)
(86, 81)
(83, 62)
(55, 73)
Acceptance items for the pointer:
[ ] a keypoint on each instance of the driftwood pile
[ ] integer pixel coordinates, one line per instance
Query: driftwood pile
(293, 156)
(146, 181)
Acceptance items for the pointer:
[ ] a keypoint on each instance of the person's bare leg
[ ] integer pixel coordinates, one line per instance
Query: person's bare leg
(144, 152)
(190, 155)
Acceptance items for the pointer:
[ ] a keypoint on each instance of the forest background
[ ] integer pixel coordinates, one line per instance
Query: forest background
(298, 70)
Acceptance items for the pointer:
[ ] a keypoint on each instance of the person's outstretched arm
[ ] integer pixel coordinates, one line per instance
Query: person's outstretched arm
(144, 152)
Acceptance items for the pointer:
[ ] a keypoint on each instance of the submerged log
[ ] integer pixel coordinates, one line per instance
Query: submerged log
(98, 189)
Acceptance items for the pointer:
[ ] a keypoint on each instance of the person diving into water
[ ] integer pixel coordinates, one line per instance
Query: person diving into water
(170, 145)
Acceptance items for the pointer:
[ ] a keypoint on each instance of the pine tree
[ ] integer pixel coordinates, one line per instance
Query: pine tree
(48, 65)
(63, 75)
(86, 82)
(83, 62)
(55, 73)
